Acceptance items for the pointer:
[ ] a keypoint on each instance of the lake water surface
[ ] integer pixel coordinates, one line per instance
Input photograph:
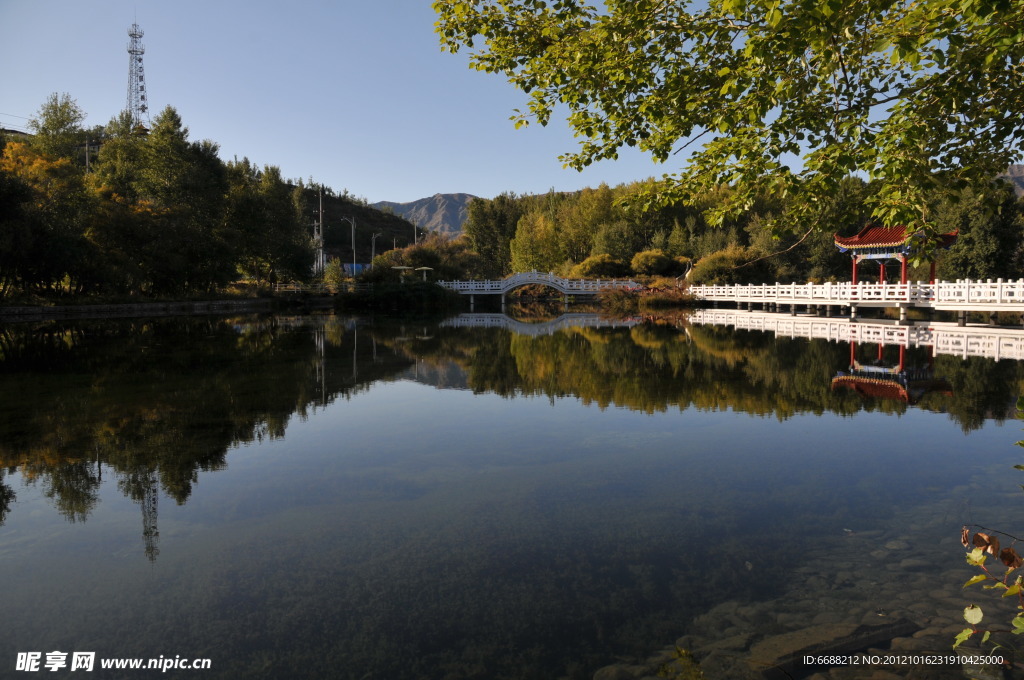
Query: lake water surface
(333, 497)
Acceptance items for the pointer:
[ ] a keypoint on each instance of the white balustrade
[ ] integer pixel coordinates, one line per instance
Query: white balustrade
(567, 286)
(949, 295)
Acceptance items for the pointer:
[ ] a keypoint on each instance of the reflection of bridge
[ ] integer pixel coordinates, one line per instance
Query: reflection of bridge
(959, 296)
(510, 283)
(946, 338)
(536, 329)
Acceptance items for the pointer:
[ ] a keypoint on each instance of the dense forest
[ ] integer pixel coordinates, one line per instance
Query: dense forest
(600, 233)
(125, 210)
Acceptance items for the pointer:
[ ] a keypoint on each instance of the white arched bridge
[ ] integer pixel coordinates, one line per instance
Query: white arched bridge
(562, 285)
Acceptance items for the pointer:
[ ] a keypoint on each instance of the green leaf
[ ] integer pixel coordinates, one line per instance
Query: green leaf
(975, 579)
(1012, 590)
(962, 636)
(973, 614)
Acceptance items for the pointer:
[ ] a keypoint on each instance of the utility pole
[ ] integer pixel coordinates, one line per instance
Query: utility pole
(373, 247)
(352, 221)
(318, 238)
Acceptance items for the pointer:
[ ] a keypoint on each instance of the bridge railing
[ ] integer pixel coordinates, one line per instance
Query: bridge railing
(532, 278)
(950, 294)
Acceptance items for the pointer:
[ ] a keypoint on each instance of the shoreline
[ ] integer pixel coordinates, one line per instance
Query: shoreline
(145, 309)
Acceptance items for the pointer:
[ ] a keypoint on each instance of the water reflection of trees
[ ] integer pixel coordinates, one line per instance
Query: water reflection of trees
(655, 367)
(155, 403)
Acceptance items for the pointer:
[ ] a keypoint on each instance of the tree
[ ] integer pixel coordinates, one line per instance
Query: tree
(918, 96)
(58, 127)
(186, 183)
(16, 231)
(491, 225)
(119, 164)
(536, 246)
(46, 234)
(263, 224)
(989, 241)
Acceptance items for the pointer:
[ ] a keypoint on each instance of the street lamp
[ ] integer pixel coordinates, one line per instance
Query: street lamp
(352, 221)
(424, 270)
(373, 247)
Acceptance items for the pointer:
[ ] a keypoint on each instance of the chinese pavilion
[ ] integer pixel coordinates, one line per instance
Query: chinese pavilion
(875, 242)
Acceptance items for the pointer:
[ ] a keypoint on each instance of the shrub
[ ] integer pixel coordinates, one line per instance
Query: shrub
(599, 267)
(651, 263)
(735, 264)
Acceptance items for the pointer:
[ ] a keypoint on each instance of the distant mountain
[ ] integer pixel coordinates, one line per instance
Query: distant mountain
(1015, 173)
(440, 212)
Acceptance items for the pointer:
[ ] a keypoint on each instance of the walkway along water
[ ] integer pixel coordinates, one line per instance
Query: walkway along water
(959, 296)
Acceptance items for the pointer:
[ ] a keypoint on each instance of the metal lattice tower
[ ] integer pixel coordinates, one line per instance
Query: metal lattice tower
(138, 107)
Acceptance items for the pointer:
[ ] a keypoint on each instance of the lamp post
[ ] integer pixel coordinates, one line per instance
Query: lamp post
(319, 260)
(373, 247)
(424, 270)
(352, 221)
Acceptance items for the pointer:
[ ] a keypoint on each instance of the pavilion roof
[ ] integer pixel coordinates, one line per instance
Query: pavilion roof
(876, 236)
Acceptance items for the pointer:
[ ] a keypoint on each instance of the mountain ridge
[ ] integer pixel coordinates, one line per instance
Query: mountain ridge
(444, 213)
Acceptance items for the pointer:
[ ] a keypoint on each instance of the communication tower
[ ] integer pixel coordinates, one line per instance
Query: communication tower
(138, 107)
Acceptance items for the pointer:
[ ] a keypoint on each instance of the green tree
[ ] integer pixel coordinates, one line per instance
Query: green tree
(263, 224)
(989, 242)
(491, 226)
(187, 183)
(918, 96)
(537, 245)
(58, 127)
(120, 161)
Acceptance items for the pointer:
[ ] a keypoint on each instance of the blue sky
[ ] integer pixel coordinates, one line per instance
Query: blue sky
(353, 93)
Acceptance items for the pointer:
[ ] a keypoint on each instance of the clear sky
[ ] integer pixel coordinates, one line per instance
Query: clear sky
(353, 93)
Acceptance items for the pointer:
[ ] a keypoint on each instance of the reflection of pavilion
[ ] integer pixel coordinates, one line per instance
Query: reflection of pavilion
(898, 382)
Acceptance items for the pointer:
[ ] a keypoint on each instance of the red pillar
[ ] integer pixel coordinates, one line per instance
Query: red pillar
(932, 275)
(881, 271)
(903, 357)
(903, 268)
(854, 269)
(881, 352)
(853, 354)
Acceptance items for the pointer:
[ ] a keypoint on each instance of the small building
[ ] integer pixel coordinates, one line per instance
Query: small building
(875, 242)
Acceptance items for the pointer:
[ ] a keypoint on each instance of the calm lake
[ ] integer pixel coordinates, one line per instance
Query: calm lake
(340, 497)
